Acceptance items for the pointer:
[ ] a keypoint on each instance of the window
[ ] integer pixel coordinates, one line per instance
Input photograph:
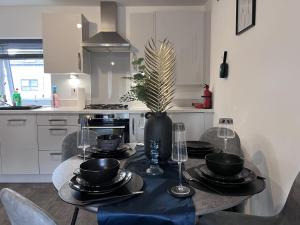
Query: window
(29, 85)
(22, 68)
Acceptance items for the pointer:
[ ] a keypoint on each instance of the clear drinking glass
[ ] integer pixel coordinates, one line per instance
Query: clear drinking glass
(179, 154)
(85, 137)
(226, 130)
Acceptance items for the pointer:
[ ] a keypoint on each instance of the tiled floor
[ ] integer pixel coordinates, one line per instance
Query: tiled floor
(45, 196)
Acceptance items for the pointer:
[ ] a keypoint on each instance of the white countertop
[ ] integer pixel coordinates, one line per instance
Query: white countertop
(75, 110)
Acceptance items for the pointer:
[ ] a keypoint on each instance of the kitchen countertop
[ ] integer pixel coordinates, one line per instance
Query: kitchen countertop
(75, 110)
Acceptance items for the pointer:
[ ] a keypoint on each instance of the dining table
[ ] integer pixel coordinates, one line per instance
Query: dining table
(205, 202)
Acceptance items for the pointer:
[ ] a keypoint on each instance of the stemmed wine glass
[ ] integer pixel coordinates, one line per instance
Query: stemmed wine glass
(85, 137)
(179, 154)
(226, 130)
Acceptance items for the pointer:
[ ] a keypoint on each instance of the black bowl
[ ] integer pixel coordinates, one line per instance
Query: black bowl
(224, 163)
(109, 142)
(97, 171)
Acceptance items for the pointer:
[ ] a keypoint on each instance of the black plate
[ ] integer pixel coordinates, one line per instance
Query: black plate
(226, 184)
(122, 148)
(199, 145)
(78, 198)
(93, 190)
(123, 155)
(234, 179)
(115, 181)
(201, 154)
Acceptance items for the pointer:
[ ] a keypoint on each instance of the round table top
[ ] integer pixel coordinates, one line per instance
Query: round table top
(204, 202)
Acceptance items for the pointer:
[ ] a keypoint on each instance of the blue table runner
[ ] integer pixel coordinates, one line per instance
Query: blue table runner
(155, 206)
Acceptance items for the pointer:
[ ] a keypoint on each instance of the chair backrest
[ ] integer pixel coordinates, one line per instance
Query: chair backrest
(22, 211)
(69, 146)
(290, 214)
(233, 145)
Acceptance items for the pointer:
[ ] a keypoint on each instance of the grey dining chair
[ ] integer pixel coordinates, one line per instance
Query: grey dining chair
(289, 215)
(233, 145)
(22, 211)
(69, 149)
(69, 146)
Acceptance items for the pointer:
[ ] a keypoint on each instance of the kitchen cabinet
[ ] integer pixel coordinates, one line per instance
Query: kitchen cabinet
(195, 123)
(185, 28)
(137, 124)
(140, 30)
(52, 129)
(62, 37)
(19, 150)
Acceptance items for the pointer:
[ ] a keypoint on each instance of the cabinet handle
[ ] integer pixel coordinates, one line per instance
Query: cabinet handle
(79, 61)
(58, 129)
(57, 120)
(17, 120)
(133, 131)
(55, 153)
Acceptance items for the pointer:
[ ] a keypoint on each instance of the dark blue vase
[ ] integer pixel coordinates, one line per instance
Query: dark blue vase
(158, 127)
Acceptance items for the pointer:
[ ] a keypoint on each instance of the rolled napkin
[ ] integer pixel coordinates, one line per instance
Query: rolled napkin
(155, 205)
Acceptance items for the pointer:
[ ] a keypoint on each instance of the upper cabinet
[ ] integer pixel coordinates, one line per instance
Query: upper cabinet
(62, 37)
(185, 28)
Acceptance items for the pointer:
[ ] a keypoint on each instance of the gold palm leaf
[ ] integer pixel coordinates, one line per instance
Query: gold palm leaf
(160, 67)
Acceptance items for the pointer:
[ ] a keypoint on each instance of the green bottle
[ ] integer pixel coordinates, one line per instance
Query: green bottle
(16, 98)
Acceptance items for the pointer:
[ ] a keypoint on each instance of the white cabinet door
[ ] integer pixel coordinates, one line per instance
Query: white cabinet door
(19, 150)
(185, 29)
(140, 29)
(137, 124)
(194, 124)
(62, 37)
(51, 137)
(49, 160)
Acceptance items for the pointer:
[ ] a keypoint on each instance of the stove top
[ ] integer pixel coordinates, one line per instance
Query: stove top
(107, 106)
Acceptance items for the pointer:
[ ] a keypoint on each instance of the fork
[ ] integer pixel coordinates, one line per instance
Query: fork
(190, 178)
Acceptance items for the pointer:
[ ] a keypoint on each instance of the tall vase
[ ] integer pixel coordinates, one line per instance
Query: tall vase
(158, 127)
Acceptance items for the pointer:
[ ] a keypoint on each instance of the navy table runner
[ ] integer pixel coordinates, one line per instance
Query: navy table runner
(155, 205)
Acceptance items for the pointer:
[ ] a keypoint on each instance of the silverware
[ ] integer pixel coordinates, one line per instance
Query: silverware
(190, 178)
(92, 201)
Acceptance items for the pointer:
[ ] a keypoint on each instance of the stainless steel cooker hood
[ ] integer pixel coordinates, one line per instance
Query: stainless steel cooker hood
(108, 40)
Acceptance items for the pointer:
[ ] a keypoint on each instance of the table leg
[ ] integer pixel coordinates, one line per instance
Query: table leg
(75, 214)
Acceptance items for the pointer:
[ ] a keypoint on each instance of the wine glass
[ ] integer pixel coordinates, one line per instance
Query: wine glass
(226, 130)
(179, 154)
(85, 139)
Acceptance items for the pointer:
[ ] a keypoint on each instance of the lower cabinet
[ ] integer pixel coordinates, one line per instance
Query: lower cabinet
(52, 129)
(48, 161)
(195, 123)
(19, 149)
(137, 124)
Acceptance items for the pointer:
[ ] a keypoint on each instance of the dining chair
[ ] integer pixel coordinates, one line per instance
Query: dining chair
(69, 146)
(233, 145)
(289, 215)
(22, 211)
(69, 149)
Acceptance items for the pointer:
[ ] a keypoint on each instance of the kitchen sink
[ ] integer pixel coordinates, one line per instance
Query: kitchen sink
(25, 107)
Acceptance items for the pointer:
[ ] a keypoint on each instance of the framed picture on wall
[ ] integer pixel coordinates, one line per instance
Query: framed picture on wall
(245, 15)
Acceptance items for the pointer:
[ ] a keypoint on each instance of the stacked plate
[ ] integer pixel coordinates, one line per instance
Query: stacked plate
(78, 183)
(244, 177)
(97, 152)
(100, 176)
(199, 149)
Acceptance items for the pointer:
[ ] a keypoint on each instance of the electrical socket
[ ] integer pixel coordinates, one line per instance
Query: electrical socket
(74, 92)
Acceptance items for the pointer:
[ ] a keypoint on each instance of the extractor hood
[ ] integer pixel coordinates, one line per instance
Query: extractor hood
(108, 40)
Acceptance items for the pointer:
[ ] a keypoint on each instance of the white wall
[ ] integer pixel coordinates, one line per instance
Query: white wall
(262, 91)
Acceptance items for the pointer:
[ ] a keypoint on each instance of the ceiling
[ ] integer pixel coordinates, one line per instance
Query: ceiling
(96, 2)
